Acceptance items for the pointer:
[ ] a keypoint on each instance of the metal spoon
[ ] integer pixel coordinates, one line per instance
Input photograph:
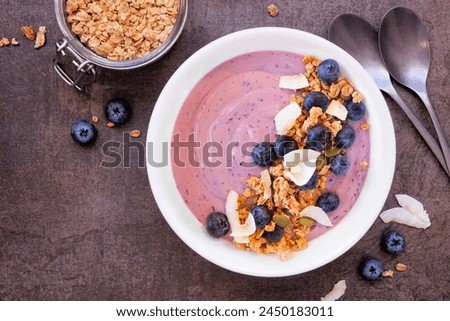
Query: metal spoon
(405, 50)
(355, 35)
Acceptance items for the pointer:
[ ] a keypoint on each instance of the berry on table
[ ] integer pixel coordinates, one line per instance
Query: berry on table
(392, 242)
(370, 268)
(83, 132)
(118, 111)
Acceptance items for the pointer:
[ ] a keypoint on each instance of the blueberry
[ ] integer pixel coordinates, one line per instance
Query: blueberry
(262, 215)
(315, 99)
(339, 164)
(312, 183)
(392, 242)
(263, 154)
(370, 268)
(275, 235)
(83, 132)
(217, 224)
(328, 201)
(328, 71)
(345, 137)
(285, 144)
(118, 111)
(318, 138)
(355, 111)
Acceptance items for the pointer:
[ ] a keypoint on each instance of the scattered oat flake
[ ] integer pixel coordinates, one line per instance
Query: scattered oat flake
(14, 42)
(94, 119)
(364, 164)
(388, 274)
(40, 38)
(4, 42)
(413, 206)
(364, 126)
(273, 10)
(110, 124)
(401, 267)
(337, 291)
(135, 133)
(28, 32)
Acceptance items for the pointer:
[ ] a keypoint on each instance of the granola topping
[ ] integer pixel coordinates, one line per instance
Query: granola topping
(122, 29)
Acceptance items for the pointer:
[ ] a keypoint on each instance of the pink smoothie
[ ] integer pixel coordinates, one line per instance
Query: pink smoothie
(228, 112)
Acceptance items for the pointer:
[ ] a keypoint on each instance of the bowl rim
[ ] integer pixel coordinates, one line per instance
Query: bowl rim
(331, 244)
(101, 61)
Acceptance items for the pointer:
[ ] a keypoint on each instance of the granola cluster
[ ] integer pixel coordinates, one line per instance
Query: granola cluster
(28, 33)
(122, 29)
(287, 199)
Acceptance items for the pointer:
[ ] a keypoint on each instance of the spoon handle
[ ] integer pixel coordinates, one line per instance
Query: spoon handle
(440, 132)
(429, 139)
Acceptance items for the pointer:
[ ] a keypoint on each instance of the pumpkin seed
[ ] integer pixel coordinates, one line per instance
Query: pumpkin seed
(281, 221)
(321, 162)
(306, 221)
(332, 151)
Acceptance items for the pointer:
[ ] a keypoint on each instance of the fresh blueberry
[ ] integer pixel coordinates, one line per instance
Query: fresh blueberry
(275, 235)
(318, 138)
(392, 242)
(315, 99)
(345, 137)
(263, 154)
(328, 201)
(312, 183)
(285, 144)
(355, 111)
(328, 71)
(83, 132)
(339, 164)
(262, 215)
(118, 111)
(370, 268)
(217, 224)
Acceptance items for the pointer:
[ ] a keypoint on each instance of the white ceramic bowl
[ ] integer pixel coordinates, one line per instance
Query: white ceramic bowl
(321, 250)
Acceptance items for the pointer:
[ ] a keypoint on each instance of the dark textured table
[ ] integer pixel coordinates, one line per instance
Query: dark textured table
(73, 230)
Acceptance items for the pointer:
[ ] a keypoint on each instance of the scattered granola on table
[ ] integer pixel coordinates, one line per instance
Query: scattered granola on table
(122, 29)
(40, 37)
(28, 32)
(273, 10)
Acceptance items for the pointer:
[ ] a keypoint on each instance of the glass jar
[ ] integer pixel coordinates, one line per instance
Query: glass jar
(84, 59)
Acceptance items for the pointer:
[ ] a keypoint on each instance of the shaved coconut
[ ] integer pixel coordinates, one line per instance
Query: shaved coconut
(238, 231)
(338, 291)
(286, 118)
(297, 156)
(402, 216)
(317, 214)
(413, 206)
(300, 176)
(267, 183)
(336, 109)
(293, 82)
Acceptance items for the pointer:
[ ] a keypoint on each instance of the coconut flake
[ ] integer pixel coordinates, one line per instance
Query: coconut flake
(300, 174)
(335, 108)
(403, 216)
(317, 214)
(413, 206)
(239, 231)
(267, 183)
(338, 291)
(286, 117)
(298, 156)
(293, 82)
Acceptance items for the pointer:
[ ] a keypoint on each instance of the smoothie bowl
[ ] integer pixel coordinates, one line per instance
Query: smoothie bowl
(270, 158)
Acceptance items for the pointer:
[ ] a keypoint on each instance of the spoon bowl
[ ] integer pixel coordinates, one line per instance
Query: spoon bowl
(350, 31)
(405, 50)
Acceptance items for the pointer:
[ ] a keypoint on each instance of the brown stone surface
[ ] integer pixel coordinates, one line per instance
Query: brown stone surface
(72, 230)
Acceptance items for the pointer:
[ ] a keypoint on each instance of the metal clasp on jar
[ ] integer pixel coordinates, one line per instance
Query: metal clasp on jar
(84, 71)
